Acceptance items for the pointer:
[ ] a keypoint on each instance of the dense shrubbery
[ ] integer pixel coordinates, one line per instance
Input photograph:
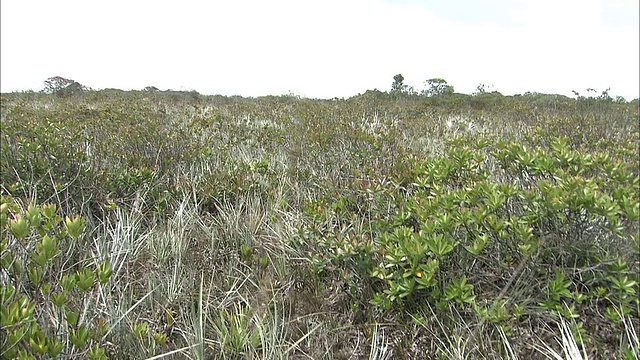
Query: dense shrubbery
(277, 227)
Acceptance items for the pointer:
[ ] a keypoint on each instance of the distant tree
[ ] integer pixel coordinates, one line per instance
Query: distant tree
(592, 95)
(620, 100)
(484, 89)
(480, 89)
(56, 83)
(398, 85)
(437, 86)
(605, 95)
(62, 86)
(73, 88)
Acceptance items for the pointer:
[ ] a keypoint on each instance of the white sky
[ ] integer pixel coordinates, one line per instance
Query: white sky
(323, 49)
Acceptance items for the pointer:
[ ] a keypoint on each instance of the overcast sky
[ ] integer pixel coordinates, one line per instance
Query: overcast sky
(322, 48)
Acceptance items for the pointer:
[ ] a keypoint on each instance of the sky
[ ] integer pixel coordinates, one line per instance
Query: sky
(323, 48)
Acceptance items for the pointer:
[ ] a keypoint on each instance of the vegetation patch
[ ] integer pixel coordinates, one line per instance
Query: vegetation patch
(160, 224)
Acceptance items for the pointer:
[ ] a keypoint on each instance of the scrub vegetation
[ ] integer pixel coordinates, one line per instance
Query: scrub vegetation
(390, 225)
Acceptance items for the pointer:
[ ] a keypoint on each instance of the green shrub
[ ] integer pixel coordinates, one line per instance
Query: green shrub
(43, 294)
(463, 227)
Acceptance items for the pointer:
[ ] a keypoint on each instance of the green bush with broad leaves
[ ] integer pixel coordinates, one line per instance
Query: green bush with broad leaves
(464, 226)
(42, 299)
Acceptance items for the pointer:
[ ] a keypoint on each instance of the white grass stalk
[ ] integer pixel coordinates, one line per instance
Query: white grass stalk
(182, 350)
(197, 347)
(570, 348)
(455, 346)
(380, 349)
(272, 332)
(632, 338)
(114, 324)
(509, 350)
(121, 237)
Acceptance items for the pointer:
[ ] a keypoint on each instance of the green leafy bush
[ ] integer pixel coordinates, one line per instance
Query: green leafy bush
(43, 294)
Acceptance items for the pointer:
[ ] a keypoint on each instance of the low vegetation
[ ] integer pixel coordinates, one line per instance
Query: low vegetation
(160, 224)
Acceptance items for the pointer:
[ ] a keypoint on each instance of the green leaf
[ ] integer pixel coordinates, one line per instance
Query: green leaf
(479, 244)
(568, 312)
(441, 245)
(74, 227)
(36, 274)
(68, 282)
(71, 317)
(59, 299)
(460, 291)
(33, 215)
(19, 227)
(160, 338)
(54, 347)
(141, 330)
(623, 284)
(85, 279)
(38, 342)
(559, 286)
(49, 211)
(79, 337)
(105, 270)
